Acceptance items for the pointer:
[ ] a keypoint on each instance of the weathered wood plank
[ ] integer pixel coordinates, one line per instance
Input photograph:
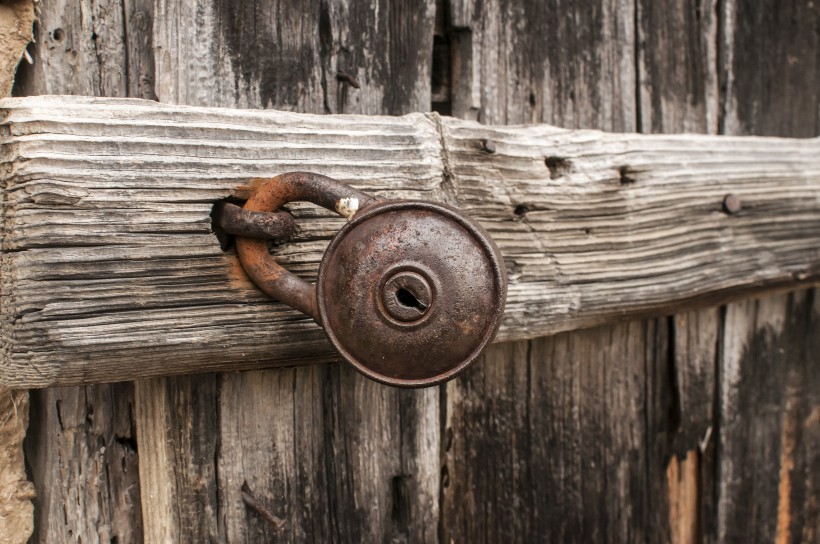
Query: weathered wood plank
(82, 452)
(768, 405)
(175, 428)
(677, 46)
(677, 66)
(770, 69)
(287, 54)
(551, 442)
(770, 421)
(333, 455)
(337, 457)
(567, 63)
(107, 232)
(81, 443)
(545, 433)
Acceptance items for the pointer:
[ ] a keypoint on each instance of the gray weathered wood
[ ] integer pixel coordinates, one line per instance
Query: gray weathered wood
(82, 452)
(768, 439)
(546, 438)
(176, 426)
(107, 238)
(353, 461)
(81, 444)
(678, 45)
(769, 424)
(337, 457)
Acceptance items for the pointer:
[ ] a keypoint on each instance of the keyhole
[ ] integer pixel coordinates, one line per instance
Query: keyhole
(406, 298)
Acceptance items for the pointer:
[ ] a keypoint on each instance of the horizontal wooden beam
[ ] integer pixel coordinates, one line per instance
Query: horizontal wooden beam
(110, 270)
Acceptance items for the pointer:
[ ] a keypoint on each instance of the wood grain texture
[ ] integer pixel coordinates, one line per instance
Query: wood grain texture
(337, 457)
(678, 74)
(678, 83)
(287, 54)
(175, 428)
(567, 63)
(768, 459)
(82, 453)
(769, 425)
(334, 455)
(107, 238)
(542, 438)
(546, 440)
(81, 445)
(358, 462)
(770, 69)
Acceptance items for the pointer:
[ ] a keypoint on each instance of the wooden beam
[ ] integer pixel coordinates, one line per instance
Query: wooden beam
(110, 270)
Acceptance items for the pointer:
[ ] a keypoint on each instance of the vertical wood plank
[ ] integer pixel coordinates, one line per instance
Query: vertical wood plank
(82, 453)
(677, 66)
(567, 63)
(547, 440)
(769, 420)
(677, 55)
(176, 421)
(81, 444)
(139, 47)
(688, 453)
(288, 53)
(336, 456)
(768, 423)
(770, 68)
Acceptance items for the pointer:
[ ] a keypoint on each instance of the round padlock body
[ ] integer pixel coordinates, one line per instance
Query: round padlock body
(411, 293)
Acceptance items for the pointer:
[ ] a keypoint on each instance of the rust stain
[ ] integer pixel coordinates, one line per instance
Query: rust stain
(236, 276)
(784, 488)
(814, 417)
(244, 192)
(682, 485)
(811, 530)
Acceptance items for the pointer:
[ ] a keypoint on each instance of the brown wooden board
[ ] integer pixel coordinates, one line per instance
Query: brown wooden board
(678, 47)
(546, 440)
(608, 434)
(113, 271)
(81, 445)
(768, 460)
(338, 458)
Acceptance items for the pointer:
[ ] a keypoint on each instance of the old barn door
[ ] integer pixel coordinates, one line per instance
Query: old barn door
(698, 426)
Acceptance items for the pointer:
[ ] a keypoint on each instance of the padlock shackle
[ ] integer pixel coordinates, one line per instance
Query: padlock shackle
(269, 197)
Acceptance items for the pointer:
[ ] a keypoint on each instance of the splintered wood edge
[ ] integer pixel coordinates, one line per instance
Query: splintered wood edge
(110, 270)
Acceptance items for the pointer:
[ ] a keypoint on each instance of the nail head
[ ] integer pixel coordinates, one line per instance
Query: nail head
(731, 204)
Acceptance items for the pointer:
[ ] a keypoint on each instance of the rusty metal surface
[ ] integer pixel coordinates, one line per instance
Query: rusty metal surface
(235, 220)
(411, 293)
(269, 197)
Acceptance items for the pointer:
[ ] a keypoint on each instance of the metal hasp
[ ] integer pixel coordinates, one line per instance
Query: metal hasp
(409, 292)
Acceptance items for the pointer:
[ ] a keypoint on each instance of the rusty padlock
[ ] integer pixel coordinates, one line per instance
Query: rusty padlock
(409, 292)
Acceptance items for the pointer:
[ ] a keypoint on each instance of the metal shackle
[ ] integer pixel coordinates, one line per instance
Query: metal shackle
(408, 292)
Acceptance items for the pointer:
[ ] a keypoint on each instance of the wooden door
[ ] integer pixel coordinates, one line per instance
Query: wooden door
(699, 426)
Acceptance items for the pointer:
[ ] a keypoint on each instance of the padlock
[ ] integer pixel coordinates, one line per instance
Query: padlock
(409, 292)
